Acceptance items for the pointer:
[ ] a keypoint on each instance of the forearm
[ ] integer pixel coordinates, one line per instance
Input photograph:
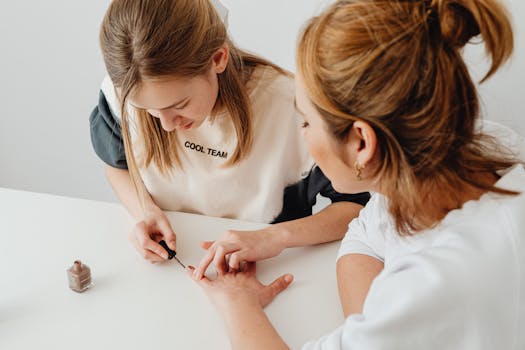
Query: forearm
(328, 225)
(355, 273)
(249, 328)
(121, 183)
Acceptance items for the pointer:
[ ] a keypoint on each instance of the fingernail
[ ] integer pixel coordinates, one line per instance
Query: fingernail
(288, 278)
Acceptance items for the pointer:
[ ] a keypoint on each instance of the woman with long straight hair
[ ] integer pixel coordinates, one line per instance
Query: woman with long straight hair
(436, 260)
(186, 121)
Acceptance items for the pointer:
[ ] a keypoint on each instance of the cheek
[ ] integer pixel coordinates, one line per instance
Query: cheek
(203, 106)
(210, 93)
(326, 158)
(320, 152)
(315, 144)
(198, 113)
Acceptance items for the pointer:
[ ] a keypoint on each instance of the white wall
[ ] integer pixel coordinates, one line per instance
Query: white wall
(259, 26)
(51, 68)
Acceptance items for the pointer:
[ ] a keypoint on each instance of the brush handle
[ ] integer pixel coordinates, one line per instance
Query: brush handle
(171, 253)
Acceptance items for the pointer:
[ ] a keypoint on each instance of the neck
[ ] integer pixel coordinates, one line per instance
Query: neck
(434, 198)
(442, 199)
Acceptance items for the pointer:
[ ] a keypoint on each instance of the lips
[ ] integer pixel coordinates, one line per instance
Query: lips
(187, 126)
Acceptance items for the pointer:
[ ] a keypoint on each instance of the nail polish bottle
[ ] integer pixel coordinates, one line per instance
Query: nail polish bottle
(79, 277)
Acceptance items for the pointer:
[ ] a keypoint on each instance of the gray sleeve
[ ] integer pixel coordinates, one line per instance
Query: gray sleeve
(106, 135)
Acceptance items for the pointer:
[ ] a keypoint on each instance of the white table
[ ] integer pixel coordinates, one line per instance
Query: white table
(134, 304)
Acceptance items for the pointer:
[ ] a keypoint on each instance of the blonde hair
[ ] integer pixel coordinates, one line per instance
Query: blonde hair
(151, 39)
(397, 65)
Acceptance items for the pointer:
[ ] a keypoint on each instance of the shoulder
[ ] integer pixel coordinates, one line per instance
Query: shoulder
(272, 97)
(483, 240)
(509, 141)
(376, 215)
(266, 82)
(502, 211)
(108, 89)
(460, 260)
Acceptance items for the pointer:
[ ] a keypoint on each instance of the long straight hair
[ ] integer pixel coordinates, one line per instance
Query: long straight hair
(397, 65)
(151, 39)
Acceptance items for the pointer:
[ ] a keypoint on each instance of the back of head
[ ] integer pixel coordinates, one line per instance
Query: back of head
(397, 65)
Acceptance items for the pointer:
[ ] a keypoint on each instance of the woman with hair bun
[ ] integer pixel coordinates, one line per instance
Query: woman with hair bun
(436, 260)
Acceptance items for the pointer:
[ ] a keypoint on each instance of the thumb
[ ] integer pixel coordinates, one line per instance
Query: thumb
(206, 244)
(168, 234)
(237, 258)
(275, 288)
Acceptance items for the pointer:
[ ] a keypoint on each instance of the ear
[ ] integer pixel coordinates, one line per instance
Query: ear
(362, 141)
(220, 59)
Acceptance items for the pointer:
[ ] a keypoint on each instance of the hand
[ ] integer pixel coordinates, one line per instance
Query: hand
(234, 247)
(241, 288)
(147, 233)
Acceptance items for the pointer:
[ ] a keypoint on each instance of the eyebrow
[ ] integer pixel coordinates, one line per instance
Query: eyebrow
(161, 109)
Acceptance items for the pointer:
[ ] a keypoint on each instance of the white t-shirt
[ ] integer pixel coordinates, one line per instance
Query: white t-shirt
(251, 190)
(457, 286)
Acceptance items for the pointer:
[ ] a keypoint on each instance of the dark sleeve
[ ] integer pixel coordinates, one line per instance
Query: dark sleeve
(106, 135)
(299, 198)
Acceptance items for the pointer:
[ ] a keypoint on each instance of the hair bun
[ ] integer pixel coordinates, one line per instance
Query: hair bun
(456, 21)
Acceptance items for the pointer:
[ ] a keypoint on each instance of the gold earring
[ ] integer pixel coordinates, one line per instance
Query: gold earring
(358, 170)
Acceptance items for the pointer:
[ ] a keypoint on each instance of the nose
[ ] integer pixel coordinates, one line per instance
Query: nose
(169, 120)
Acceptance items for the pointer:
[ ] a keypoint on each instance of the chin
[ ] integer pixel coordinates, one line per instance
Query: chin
(169, 129)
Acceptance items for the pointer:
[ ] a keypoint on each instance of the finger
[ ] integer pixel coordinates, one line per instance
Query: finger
(250, 268)
(221, 257)
(168, 234)
(150, 256)
(135, 237)
(201, 281)
(235, 260)
(155, 248)
(190, 270)
(142, 234)
(203, 264)
(276, 287)
(230, 269)
(206, 244)
(219, 261)
(280, 284)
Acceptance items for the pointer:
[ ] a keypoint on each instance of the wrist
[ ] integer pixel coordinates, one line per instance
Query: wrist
(233, 309)
(150, 210)
(229, 305)
(281, 235)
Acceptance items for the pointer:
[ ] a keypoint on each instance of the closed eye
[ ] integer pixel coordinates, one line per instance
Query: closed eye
(178, 108)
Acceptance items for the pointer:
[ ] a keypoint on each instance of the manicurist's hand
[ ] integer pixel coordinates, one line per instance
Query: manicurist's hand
(241, 289)
(146, 234)
(234, 247)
